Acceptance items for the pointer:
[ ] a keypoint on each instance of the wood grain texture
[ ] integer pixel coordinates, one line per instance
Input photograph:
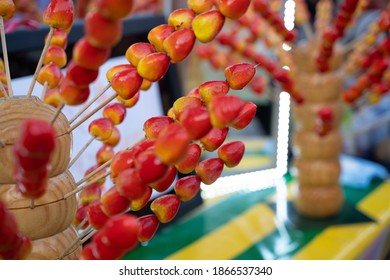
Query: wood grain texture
(305, 115)
(304, 56)
(319, 87)
(316, 165)
(13, 111)
(318, 202)
(51, 215)
(317, 172)
(51, 248)
(308, 145)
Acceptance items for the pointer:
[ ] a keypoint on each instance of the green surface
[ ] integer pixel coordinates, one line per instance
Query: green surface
(290, 237)
(183, 232)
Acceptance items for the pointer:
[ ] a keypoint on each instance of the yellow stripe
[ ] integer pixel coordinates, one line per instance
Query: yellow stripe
(377, 204)
(350, 241)
(258, 162)
(231, 239)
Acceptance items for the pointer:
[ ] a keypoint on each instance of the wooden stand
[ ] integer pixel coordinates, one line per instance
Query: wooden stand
(316, 165)
(49, 222)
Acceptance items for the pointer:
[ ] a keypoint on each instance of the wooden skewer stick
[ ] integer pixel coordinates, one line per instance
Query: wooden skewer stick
(86, 117)
(100, 168)
(5, 93)
(83, 222)
(87, 105)
(32, 204)
(81, 151)
(5, 54)
(79, 189)
(351, 45)
(45, 86)
(40, 62)
(75, 242)
(92, 233)
(90, 175)
(308, 30)
(57, 113)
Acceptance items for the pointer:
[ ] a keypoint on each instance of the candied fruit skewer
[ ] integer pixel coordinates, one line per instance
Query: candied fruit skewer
(87, 105)
(103, 30)
(58, 14)
(94, 172)
(148, 62)
(100, 129)
(32, 153)
(106, 245)
(79, 189)
(302, 18)
(237, 76)
(125, 82)
(40, 61)
(344, 15)
(13, 244)
(7, 11)
(90, 114)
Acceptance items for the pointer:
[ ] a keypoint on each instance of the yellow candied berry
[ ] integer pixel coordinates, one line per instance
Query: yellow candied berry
(373, 97)
(371, 39)
(171, 113)
(2, 68)
(3, 78)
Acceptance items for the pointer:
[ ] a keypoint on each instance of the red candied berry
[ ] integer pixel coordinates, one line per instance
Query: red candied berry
(129, 184)
(96, 216)
(113, 203)
(231, 153)
(214, 139)
(154, 125)
(150, 167)
(148, 227)
(121, 232)
(187, 187)
(165, 207)
(239, 75)
(209, 170)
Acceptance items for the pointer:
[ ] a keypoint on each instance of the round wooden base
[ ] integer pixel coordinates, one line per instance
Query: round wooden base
(317, 172)
(51, 213)
(51, 248)
(318, 202)
(319, 87)
(309, 145)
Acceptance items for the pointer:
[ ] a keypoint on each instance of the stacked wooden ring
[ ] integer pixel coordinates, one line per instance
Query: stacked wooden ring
(49, 221)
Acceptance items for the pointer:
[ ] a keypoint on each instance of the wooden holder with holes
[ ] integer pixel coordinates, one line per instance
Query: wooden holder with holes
(316, 166)
(51, 213)
(49, 222)
(51, 248)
